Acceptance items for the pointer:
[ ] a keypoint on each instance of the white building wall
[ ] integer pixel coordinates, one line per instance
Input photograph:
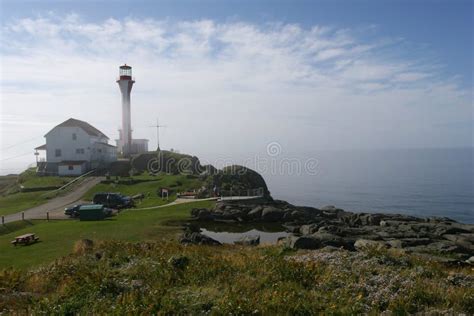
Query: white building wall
(61, 138)
(82, 146)
(71, 170)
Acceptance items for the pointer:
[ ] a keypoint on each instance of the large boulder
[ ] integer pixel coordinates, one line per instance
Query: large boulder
(197, 239)
(256, 212)
(366, 244)
(438, 247)
(202, 214)
(272, 214)
(248, 241)
(327, 239)
(465, 241)
(309, 229)
(240, 180)
(167, 161)
(303, 242)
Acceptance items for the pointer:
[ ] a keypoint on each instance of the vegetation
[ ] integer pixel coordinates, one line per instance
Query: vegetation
(57, 237)
(12, 200)
(149, 186)
(136, 266)
(168, 278)
(133, 264)
(20, 201)
(167, 161)
(29, 179)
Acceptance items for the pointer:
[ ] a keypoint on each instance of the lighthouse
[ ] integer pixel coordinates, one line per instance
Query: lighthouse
(125, 83)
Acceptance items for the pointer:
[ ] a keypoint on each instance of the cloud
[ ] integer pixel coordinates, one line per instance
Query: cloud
(227, 87)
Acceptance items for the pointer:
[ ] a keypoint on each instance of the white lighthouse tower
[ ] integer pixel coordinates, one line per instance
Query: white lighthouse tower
(125, 83)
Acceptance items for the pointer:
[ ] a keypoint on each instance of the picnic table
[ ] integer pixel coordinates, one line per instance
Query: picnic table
(25, 239)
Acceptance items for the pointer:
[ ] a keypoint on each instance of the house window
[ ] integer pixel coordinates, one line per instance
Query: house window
(80, 151)
(57, 153)
(99, 150)
(74, 136)
(70, 167)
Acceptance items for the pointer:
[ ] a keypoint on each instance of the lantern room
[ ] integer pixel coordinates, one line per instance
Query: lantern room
(125, 72)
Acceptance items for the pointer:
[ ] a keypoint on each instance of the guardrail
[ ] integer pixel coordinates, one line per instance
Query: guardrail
(71, 182)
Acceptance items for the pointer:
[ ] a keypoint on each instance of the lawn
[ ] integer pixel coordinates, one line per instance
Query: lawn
(58, 237)
(149, 187)
(20, 201)
(29, 179)
(15, 201)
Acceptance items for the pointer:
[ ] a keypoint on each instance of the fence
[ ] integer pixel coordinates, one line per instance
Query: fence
(257, 192)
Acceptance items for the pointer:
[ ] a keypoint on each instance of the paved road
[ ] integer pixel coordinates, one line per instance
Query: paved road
(55, 207)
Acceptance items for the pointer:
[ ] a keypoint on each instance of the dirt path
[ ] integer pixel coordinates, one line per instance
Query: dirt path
(55, 207)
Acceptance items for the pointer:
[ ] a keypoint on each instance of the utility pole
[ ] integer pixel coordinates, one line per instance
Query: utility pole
(158, 126)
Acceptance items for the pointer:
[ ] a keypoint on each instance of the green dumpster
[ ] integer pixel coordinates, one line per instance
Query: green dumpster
(93, 212)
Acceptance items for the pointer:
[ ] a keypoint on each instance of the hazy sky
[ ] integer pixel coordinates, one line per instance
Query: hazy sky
(227, 78)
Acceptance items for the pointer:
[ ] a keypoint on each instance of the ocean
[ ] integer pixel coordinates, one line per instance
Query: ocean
(420, 182)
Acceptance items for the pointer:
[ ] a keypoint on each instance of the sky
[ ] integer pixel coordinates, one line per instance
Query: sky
(228, 78)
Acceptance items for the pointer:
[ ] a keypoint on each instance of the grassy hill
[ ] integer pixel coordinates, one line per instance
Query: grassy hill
(148, 185)
(58, 237)
(160, 276)
(13, 197)
(137, 266)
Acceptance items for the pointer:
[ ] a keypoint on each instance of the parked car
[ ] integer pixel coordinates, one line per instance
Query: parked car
(94, 212)
(72, 211)
(113, 200)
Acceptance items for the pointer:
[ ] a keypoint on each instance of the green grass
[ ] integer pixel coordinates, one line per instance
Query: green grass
(20, 201)
(163, 277)
(13, 201)
(29, 179)
(57, 237)
(149, 188)
(136, 266)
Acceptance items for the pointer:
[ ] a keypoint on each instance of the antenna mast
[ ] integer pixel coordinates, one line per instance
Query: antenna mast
(158, 126)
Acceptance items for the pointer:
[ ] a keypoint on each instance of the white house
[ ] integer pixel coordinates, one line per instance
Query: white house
(75, 147)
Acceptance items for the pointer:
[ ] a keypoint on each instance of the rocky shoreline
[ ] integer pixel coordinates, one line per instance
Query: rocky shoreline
(439, 238)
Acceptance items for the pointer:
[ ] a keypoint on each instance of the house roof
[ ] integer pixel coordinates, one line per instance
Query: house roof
(106, 144)
(42, 147)
(89, 129)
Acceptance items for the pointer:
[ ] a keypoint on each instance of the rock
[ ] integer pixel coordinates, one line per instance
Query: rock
(202, 214)
(441, 247)
(470, 260)
(198, 239)
(255, 213)
(308, 229)
(291, 227)
(330, 208)
(365, 244)
(287, 215)
(463, 240)
(248, 241)
(309, 211)
(272, 214)
(297, 214)
(136, 284)
(332, 229)
(304, 242)
(179, 262)
(436, 219)
(408, 242)
(326, 239)
(192, 228)
(367, 219)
